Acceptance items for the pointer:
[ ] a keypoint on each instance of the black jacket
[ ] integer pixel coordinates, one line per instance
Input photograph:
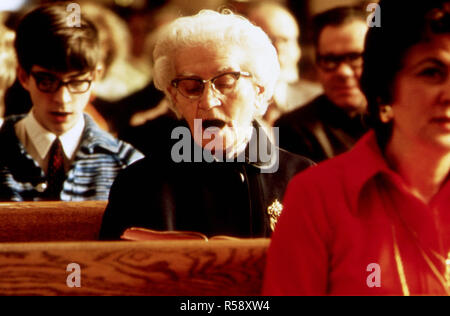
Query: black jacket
(217, 198)
(319, 130)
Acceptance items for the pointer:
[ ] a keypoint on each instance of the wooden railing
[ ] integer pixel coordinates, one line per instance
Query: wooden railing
(134, 268)
(50, 221)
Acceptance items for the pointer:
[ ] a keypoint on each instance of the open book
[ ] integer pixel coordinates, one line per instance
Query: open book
(138, 233)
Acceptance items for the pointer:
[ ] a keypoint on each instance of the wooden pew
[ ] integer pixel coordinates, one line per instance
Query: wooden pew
(135, 268)
(50, 221)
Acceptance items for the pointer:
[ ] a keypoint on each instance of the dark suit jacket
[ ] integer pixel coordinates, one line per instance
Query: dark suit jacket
(218, 198)
(319, 130)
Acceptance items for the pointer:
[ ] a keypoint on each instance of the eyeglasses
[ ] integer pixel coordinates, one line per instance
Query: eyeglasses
(49, 83)
(331, 62)
(192, 88)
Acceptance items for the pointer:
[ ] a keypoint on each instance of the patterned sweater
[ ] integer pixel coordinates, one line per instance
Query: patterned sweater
(97, 162)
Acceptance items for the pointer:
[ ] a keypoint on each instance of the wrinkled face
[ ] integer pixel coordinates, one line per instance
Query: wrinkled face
(421, 104)
(60, 110)
(230, 113)
(340, 46)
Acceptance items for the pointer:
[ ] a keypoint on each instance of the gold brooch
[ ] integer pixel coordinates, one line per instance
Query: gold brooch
(274, 211)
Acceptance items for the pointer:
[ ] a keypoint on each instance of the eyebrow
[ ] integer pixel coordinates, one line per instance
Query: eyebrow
(339, 55)
(195, 76)
(227, 69)
(186, 76)
(50, 74)
(429, 60)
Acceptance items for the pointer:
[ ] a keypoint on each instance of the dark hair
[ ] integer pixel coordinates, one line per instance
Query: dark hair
(44, 38)
(402, 26)
(336, 17)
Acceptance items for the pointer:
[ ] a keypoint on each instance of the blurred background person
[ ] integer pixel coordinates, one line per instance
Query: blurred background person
(218, 71)
(375, 220)
(333, 122)
(126, 86)
(160, 17)
(149, 111)
(8, 61)
(121, 77)
(282, 28)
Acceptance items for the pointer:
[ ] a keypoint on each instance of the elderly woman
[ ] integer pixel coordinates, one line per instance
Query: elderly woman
(219, 72)
(376, 220)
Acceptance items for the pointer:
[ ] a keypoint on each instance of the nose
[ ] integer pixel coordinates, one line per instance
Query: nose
(345, 70)
(63, 95)
(209, 98)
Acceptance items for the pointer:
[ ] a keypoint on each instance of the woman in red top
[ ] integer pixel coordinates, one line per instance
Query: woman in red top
(376, 220)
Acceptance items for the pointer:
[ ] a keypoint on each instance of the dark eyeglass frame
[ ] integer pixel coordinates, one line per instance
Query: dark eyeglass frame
(331, 62)
(235, 74)
(57, 83)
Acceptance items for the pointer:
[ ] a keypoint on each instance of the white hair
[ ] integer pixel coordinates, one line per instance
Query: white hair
(220, 29)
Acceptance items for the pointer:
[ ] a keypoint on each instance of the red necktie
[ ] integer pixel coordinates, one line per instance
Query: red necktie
(55, 172)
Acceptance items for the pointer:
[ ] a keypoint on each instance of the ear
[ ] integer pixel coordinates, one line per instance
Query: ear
(99, 72)
(386, 113)
(260, 90)
(170, 98)
(24, 78)
(172, 94)
(260, 93)
(261, 104)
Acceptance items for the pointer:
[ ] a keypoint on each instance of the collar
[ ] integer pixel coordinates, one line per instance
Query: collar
(43, 139)
(15, 155)
(267, 153)
(365, 162)
(259, 151)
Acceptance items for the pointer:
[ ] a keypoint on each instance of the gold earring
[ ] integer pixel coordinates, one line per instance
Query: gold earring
(386, 113)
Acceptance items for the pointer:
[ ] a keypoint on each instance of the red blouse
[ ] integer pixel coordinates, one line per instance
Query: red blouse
(350, 227)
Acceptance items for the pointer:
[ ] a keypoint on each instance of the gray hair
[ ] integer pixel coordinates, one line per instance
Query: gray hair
(219, 29)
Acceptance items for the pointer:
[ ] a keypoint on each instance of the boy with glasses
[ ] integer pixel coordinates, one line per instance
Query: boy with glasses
(332, 123)
(56, 152)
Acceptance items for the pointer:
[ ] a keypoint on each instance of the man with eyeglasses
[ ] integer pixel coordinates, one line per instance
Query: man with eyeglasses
(333, 122)
(56, 152)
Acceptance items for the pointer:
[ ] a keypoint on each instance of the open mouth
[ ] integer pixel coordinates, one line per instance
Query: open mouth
(213, 123)
(60, 116)
(60, 113)
(345, 88)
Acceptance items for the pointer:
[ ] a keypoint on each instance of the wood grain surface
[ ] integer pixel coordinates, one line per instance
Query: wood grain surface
(135, 268)
(50, 221)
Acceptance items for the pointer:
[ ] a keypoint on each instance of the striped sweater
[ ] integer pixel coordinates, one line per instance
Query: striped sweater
(97, 162)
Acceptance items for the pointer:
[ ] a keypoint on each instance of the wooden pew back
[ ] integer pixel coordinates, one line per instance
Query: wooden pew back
(50, 221)
(135, 268)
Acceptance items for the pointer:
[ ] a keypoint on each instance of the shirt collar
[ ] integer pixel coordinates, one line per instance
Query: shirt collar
(267, 158)
(43, 139)
(367, 162)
